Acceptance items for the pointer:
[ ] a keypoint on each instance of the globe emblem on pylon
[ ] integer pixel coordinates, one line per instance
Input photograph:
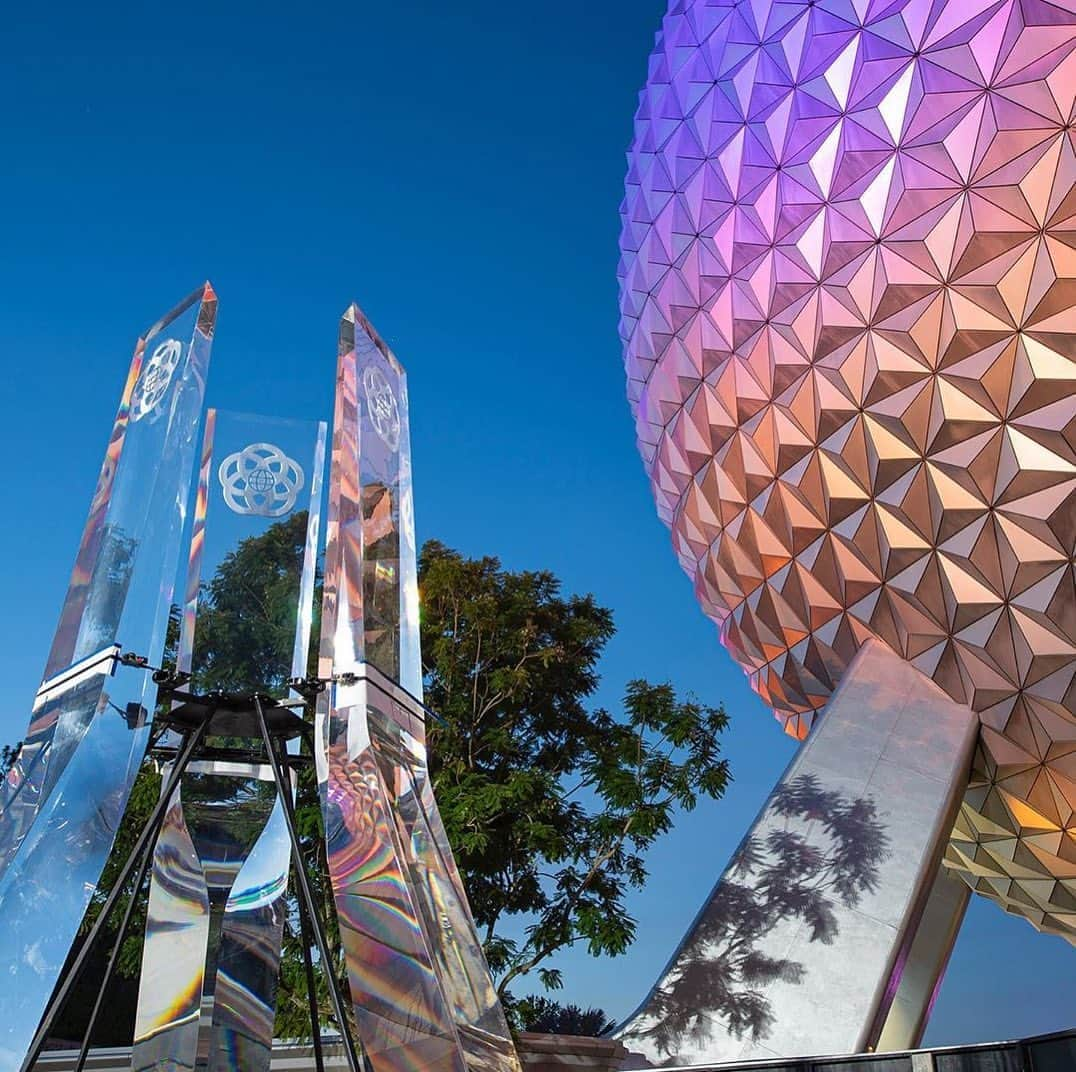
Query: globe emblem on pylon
(260, 480)
(382, 407)
(155, 379)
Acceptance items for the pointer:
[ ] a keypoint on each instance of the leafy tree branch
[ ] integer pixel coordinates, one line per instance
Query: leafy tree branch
(551, 806)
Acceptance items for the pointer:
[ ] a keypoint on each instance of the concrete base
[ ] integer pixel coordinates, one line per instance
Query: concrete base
(569, 1053)
(807, 945)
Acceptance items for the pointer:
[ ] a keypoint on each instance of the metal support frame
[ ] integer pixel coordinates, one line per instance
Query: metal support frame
(193, 717)
(142, 845)
(306, 895)
(114, 956)
(311, 990)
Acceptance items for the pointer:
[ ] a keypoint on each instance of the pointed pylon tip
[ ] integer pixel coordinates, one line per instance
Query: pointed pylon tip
(353, 314)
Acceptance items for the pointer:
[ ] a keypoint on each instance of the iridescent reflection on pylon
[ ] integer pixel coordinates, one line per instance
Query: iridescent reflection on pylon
(246, 625)
(420, 988)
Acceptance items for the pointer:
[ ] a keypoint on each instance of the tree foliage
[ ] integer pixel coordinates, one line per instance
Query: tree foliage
(246, 612)
(541, 1014)
(550, 805)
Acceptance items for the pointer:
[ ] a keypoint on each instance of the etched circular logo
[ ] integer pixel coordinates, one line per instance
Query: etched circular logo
(155, 379)
(381, 403)
(260, 479)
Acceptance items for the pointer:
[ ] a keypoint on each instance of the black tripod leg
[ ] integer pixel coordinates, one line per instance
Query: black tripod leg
(149, 832)
(283, 788)
(311, 988)
(113, 960)
(308, 964)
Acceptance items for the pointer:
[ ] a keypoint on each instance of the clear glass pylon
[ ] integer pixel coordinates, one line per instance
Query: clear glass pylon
(420, 987)
(62, 801)
(216, 913)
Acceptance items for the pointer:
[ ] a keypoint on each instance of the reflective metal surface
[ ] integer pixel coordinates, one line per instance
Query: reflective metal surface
(807, 943)
(372, 535)
(174, 955)
(450, 932)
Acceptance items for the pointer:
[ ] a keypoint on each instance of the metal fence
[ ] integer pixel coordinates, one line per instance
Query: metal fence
(1043, 1053)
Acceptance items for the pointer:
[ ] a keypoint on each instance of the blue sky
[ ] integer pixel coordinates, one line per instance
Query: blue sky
(456, 169)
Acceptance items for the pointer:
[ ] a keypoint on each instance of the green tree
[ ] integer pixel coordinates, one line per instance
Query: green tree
(246, 613)
(243, 642)
(550, 805)
(543, 1015)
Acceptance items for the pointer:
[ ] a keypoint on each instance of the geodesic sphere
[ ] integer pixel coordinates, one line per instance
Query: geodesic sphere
(848, 290)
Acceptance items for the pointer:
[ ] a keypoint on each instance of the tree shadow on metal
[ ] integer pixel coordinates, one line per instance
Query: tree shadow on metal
(820, 850)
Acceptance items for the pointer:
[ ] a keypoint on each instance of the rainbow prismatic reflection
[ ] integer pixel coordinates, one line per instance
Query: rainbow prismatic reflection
(420, 988)
(256, 523)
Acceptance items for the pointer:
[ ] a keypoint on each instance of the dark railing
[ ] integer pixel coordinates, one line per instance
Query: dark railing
(1043, 1053)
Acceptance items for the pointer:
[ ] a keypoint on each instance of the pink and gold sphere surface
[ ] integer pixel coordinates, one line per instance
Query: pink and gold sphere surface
(848, 287)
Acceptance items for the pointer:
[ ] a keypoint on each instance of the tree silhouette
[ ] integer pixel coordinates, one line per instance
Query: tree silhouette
(242, 642)
(548, 803)
(9, 754)
(542, 1015)
(822, 849)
